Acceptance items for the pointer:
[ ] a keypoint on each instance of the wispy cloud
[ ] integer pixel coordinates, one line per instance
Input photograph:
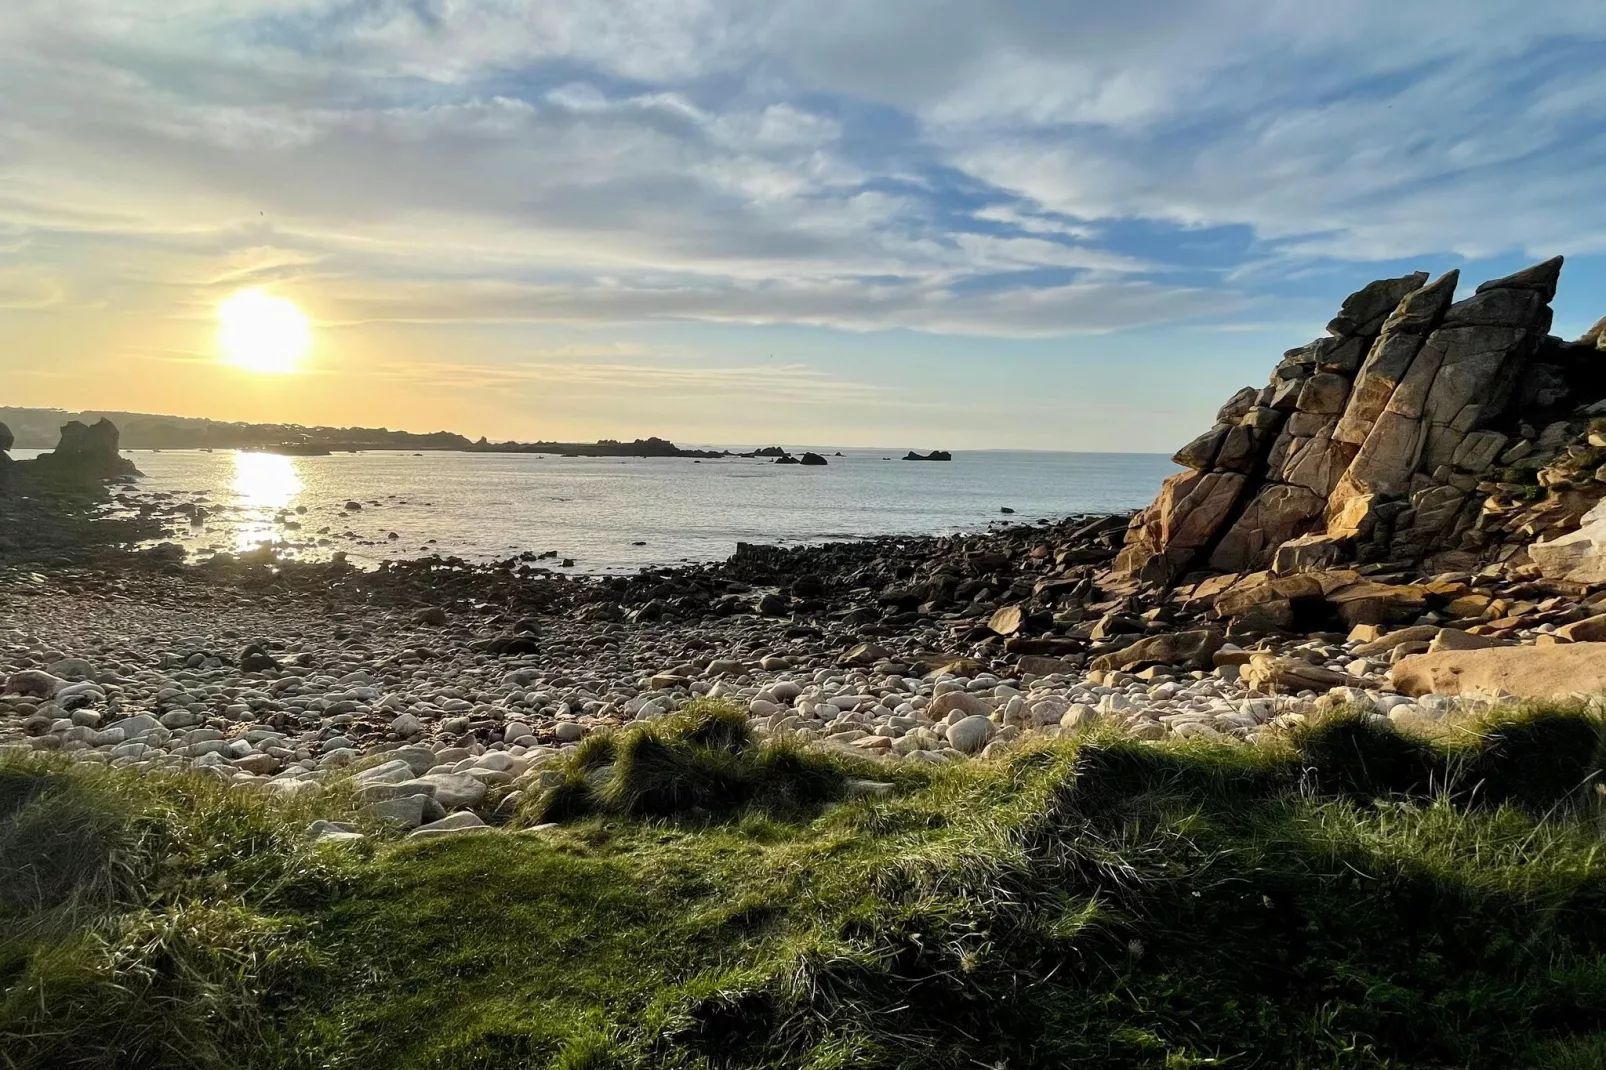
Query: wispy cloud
(1005, 169)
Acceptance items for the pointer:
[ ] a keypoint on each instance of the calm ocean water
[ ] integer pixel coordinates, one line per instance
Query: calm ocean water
(594, 510)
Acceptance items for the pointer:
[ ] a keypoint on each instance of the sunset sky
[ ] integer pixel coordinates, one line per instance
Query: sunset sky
(955, 223)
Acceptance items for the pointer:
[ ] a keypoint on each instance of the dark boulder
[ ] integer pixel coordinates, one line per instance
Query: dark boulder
(86, 452)
(813, 459)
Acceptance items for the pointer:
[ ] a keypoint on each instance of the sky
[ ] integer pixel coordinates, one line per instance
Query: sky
(1037, 224)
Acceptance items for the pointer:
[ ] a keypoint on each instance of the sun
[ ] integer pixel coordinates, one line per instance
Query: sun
(262, 333)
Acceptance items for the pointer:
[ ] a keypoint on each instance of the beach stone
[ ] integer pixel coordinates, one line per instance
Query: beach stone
(391, 772)
(73, 669)
(958, 701)
(419, 759)
(970, 735)
(449, 825)
(1193, 649)
(408, 811)
(568, 732)
(1078, 715)
(33, 682)
(407, 726)
(456, 791)
(333, 832)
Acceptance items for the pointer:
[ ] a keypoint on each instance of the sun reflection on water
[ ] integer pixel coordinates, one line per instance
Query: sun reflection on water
(264, 484)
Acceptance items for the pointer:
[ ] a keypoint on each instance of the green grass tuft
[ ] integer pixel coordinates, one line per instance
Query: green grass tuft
(715, 724)
(659, 775)
(1350, 899)
(701, 764)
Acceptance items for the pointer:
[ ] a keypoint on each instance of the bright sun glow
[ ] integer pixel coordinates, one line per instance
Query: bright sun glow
(262, 333)
(264, 484)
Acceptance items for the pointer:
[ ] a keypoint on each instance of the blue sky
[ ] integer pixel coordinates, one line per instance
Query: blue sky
(948, 223)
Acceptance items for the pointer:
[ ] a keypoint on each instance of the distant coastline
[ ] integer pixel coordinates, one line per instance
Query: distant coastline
(39, 429)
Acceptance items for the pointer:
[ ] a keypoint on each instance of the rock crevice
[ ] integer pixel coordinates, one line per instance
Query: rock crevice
(1420, 429)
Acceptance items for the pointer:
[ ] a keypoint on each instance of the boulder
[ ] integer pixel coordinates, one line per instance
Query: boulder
(970, 735)
(1578, 557)
(1558, 671)
(1007, 621)
(86, 452)
(962, 701)
(1588, 630)
(1041, 665)
(1456, 639)
(1269, 674)
(1308, 553)
(1192, 650)
(1378, 434)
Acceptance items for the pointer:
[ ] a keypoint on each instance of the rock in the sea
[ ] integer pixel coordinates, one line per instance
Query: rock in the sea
(1558, 671)
(86, 453)
(813, 460)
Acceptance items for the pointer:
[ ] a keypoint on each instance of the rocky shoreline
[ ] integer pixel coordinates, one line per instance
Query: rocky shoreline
(1242, 603)
(475, 678)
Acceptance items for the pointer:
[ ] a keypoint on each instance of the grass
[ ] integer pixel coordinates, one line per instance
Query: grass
(1353, 898)
(700, 765)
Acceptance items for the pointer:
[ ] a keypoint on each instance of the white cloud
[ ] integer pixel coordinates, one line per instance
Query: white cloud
(942, 165)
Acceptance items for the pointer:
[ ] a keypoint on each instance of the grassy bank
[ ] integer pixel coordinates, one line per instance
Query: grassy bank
(1356, 899)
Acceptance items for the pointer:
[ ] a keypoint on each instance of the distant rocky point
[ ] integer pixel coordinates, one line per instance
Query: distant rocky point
(934, 455)
(85, 454)
(37, 428)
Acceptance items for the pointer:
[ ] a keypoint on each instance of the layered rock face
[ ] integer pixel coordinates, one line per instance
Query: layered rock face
(1418, 429)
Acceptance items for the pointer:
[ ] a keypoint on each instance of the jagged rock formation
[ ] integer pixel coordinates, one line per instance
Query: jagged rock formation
(86, 453)
(1421, 429)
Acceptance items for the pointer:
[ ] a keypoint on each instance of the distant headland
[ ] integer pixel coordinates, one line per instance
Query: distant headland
(40, 429)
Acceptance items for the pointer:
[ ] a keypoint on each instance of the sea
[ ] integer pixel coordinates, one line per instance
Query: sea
(612, 515)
